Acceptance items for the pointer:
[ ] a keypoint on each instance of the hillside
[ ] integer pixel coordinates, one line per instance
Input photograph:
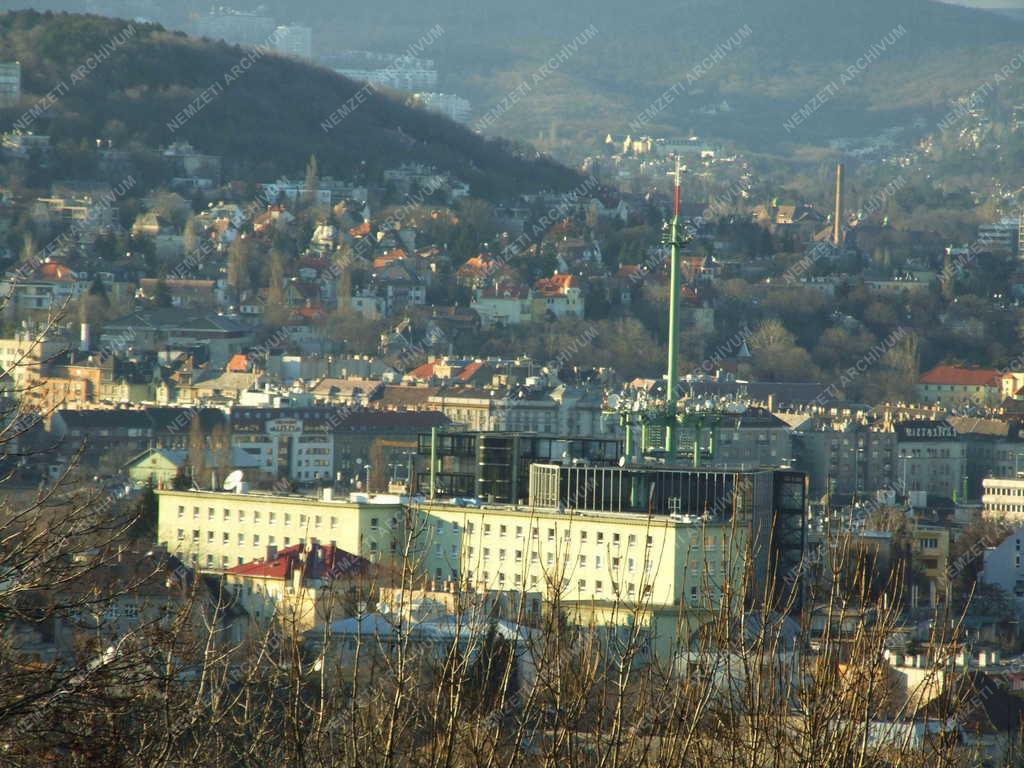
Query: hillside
(265, 122)
(795, 48)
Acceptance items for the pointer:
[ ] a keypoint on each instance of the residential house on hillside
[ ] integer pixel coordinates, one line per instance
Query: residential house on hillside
(557, 296)
(958, 385)
(303, 586)
(504, 303)
(45, 289)
(483, 270)
(183, 293)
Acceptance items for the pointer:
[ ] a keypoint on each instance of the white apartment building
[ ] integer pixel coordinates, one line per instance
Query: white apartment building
(1003, 497)
(665, 566)
(217, 530)
(10, 83)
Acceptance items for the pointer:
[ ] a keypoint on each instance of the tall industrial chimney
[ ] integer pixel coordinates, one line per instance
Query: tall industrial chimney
(837, 215)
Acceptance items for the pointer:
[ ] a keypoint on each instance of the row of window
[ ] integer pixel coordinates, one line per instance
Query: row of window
(505, 531)
(581, 584)
(317, 521)
(581, 560)
(999, 491)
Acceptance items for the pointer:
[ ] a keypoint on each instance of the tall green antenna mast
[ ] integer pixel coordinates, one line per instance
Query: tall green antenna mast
(676, 242)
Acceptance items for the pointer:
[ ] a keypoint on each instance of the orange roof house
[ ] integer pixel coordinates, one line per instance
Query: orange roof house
(948, 384)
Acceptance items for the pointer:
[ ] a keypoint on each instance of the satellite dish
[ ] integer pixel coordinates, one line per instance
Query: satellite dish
(622, 461)
(232, 481)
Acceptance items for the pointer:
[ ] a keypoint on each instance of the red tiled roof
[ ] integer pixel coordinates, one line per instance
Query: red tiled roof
(470, 370)
(322, 562)
(958, 376)
(54, 270)
(556, 285)
(239, 364)
(423, 372)
(309, 313)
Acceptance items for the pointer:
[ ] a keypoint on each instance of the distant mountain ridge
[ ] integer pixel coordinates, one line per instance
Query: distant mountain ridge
(263, 113)
(640, 49)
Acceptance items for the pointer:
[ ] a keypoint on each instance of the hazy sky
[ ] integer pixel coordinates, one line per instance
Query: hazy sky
(990, 3)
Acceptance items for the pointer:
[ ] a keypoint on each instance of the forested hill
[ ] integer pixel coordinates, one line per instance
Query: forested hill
(266, 119)
(794, 48)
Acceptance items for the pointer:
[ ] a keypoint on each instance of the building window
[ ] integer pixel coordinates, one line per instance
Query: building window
(255, 539)
(181, 512)
(519, 531)
(502, 531)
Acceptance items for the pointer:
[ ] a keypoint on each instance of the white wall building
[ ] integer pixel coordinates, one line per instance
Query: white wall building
(1003, 497)
(10, 83)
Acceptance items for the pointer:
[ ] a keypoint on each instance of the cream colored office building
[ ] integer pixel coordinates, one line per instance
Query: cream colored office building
(586, 555)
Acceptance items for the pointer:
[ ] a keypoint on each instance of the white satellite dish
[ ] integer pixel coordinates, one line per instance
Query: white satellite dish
(232, 481)
(622, 461)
